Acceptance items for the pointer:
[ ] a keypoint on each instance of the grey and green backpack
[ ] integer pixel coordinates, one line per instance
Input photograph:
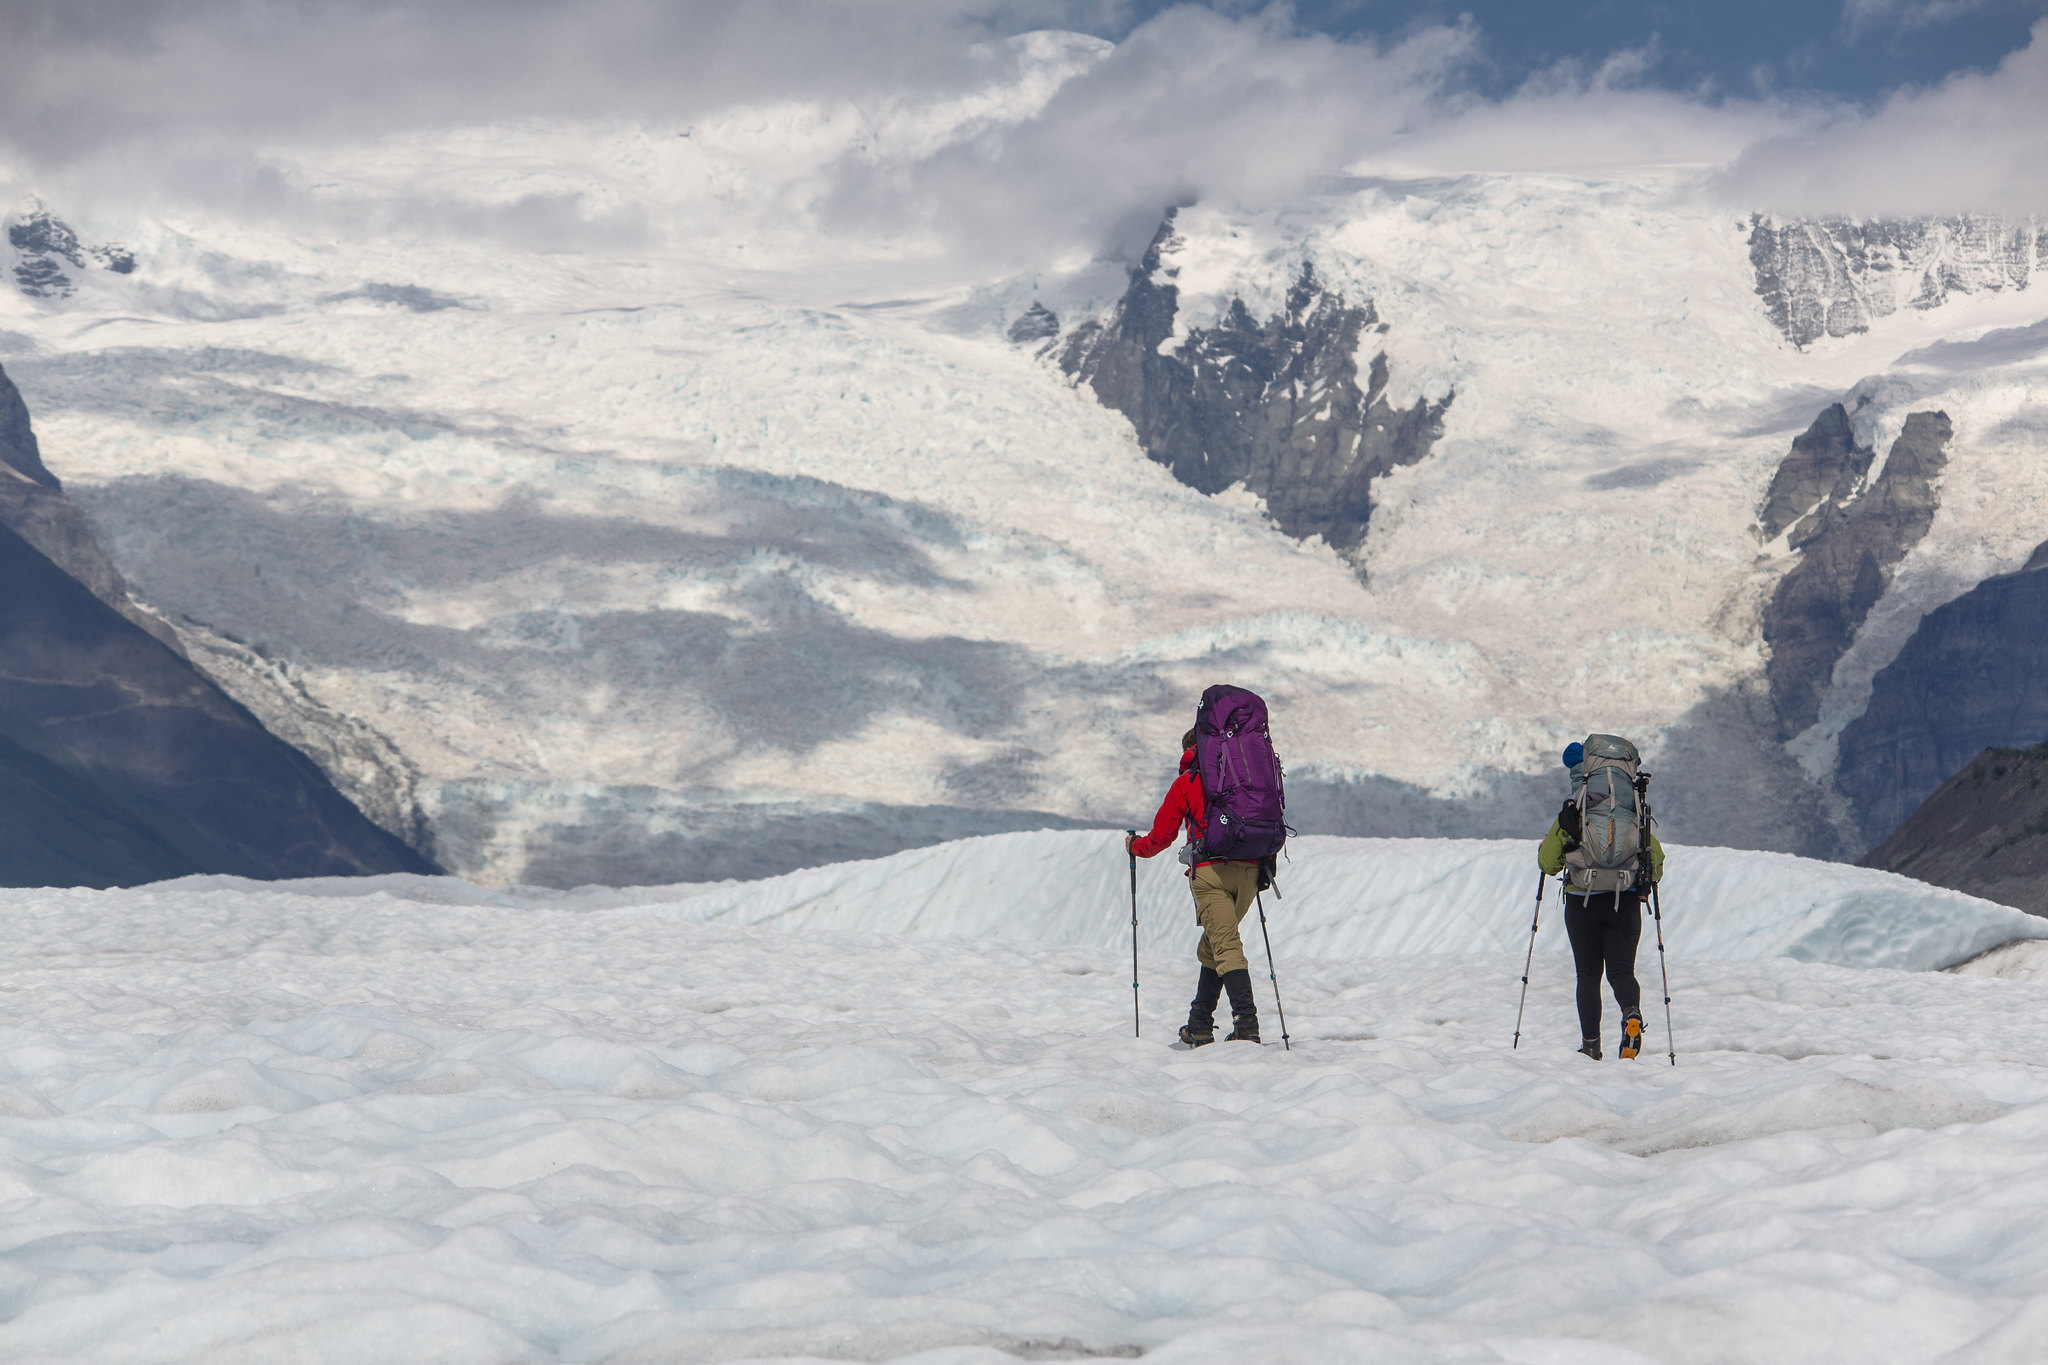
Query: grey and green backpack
(1608, 816)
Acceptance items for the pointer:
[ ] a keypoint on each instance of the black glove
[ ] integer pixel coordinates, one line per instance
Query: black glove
(1568, 821)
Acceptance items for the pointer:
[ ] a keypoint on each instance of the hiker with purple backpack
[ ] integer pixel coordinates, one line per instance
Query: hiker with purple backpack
(1229, 799)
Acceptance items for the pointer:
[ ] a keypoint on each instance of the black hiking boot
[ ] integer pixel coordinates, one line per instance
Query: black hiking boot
(1244, 1014)
(1591, 1047)
(1631, 1034)
(1200, 1029)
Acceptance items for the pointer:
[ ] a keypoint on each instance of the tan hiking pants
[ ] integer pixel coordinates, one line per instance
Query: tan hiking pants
(1223, 893)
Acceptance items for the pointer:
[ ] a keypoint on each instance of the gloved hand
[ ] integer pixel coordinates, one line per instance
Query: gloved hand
(1568, 824)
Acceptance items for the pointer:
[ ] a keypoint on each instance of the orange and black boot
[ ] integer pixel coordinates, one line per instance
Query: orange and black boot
(1631, 1034)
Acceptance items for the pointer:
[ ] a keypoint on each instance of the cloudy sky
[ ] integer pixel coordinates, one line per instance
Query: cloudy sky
(1796, 106)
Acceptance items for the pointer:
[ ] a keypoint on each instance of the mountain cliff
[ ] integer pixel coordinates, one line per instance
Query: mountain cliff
(1275, 405)
(1974, 675)
(119, 762)
(1849, 545)
(1984, 831)
(1835, 277)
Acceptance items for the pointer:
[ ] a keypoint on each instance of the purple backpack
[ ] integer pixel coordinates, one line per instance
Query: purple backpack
(1241, 784)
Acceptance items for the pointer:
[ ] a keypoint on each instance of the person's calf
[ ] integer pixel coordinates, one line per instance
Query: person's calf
(1244, 1012)
(1201, 1025)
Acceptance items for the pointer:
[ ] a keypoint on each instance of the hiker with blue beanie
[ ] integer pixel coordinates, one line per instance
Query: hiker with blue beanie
(1603, 844)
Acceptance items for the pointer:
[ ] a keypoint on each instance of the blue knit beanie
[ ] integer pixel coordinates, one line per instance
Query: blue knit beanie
(1574, 754)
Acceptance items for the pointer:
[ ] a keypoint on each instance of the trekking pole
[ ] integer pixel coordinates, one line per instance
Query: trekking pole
(1135, 1026)
(1534, 920)
(1657, 917)
(1273, 976)
(1656, 909)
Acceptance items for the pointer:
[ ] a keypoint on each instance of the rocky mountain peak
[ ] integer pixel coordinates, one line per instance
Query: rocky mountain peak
(45, 244)
(1037, 323)
(1277, 405)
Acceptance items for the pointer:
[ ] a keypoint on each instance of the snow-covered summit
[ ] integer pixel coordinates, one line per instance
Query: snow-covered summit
(672, 491)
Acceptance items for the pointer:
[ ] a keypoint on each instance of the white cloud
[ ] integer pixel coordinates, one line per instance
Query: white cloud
(901, 122)
(1977, 142)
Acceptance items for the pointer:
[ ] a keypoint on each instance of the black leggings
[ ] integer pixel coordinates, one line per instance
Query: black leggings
(1604, 934)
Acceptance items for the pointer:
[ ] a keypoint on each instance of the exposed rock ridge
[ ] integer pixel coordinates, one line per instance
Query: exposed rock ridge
(1835, 276)
(1974, 675)
(1984, 831)
(1825, 463)
(156, 739)
(34, 506)
(46, 244)
(1849, 547)
(1276, 405)
(360, 760)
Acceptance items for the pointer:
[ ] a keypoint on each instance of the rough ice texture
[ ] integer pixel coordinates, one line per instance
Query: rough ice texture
(1835, 277)
(1974, 675)
(1275, 406)
(1984, 831)
(412, 1120)
(1849, 547)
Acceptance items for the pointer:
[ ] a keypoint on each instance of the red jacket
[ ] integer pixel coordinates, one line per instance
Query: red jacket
(1183, 806)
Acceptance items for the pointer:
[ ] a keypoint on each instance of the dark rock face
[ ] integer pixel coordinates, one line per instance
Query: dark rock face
(1849, 547)
(130, 736)
(61, 826)
(1825, 463)
(34, 506)
(1974, 675)
(18, 449)
(1835, 276)
(1984, 831)
(1274, 405)
(1038, 323)
(46, 245)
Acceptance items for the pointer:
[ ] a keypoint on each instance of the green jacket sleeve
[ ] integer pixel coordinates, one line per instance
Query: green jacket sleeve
(1656, 860)
(1550, 856)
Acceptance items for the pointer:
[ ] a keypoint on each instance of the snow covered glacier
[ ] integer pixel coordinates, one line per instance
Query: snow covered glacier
(714, 536)
(894, 1111)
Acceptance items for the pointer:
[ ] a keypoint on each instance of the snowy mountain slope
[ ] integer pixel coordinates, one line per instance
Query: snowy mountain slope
(636, 480)
(1346, 898)
(413, 1119)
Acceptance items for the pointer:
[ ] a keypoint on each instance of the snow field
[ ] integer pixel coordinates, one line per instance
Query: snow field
(414, 1120)
(1358, 898)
